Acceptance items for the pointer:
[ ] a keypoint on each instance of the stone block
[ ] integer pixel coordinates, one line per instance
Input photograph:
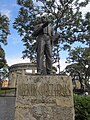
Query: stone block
(44, 97)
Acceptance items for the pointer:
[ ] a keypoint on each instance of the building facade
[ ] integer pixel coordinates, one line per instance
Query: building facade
(17, 69)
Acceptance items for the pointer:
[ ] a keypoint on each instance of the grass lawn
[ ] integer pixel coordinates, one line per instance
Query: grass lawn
(2, 91)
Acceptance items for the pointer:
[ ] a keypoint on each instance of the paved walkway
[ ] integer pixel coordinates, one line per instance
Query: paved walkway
(7, 108)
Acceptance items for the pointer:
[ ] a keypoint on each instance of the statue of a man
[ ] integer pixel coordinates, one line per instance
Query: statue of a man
(43, 34)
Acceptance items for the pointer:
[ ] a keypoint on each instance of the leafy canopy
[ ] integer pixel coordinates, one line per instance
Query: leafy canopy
(79, 69)
(64, 15)
(4, 32)
(4, 28)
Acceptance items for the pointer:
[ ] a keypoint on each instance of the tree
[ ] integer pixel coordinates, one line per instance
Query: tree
(85, 35)
(4, 28)
(4, 72)
(2, 58)
(64, 16)
(80, 65)
(4, 32)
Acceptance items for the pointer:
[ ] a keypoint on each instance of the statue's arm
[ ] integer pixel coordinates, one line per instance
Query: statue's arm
(39, 28)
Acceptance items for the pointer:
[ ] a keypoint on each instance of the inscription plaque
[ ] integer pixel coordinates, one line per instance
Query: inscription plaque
(43, 90)
(44, 98)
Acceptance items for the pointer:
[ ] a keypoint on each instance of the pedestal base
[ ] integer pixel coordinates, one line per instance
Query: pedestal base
(44, 98)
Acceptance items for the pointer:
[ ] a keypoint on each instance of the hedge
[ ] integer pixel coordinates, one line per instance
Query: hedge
(82, 107)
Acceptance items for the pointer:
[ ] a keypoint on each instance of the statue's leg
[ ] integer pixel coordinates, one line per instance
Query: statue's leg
(40, 54)
(48, 53)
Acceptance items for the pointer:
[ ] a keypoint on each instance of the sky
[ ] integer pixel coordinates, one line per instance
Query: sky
(13, 51)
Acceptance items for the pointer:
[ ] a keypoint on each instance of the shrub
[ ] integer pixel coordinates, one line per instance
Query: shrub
(82, 107)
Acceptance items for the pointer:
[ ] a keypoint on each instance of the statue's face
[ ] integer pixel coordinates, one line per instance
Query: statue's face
(44, 19)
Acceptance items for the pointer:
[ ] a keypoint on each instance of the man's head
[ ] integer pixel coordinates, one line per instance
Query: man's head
(44, 18)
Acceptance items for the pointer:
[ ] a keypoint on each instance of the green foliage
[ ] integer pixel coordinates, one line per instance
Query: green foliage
(4, 72)
(86, 26)
(4, 92)
(3, 65)
(79, 55)
(4, 28)
(82, 107)
(80, 65)
(2, 58)
(4, 32)
(64, 16)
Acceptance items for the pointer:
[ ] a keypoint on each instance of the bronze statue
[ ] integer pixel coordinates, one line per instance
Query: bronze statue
(43, 34)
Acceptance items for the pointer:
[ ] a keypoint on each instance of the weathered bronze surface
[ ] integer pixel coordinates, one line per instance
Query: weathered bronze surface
(43, 33)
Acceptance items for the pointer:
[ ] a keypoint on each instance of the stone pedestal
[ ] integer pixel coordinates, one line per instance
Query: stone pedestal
(45, 97)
